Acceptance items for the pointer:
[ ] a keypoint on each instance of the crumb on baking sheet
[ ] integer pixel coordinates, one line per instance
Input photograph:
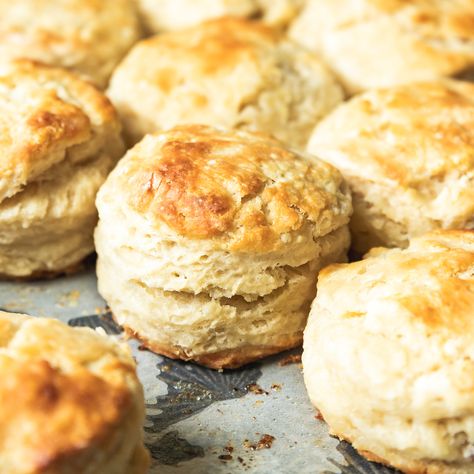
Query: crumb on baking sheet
(265, 442)
(225, 457)
(256, 389)
(229, 449)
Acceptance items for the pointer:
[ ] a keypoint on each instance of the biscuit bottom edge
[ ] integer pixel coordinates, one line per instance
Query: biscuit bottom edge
(225, 359)
(70, 269)
(405, 465)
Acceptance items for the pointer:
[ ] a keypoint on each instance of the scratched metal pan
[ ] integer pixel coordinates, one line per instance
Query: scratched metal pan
(254, 420)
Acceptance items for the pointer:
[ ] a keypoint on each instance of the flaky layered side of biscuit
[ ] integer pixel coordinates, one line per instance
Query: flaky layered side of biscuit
(70, 401)
(406, 152)
(60, 138)
(229, 73)
(388, 353)
(212, 249)
(380, 43)
(87, 36)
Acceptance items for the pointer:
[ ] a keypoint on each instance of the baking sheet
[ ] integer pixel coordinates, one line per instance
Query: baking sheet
(253, 420)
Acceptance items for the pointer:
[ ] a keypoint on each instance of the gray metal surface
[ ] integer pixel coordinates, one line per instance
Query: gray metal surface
(255, 420)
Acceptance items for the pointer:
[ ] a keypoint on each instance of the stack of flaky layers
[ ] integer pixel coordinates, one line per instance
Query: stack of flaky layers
(212, 251)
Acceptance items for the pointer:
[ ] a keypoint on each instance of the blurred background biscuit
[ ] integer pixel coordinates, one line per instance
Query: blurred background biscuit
(59, 138)
(171, 15)
(209, 242)
(381, 43)
(407, 153)
(388, 353)
(70, 400)
(228, 72)
(87, 36)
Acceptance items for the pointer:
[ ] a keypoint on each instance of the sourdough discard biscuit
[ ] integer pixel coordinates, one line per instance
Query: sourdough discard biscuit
(227, 72)
(88, 36)
(388, 353)
(209, 242)
(70, 401)
(169, 15)
(59, 138)
(407, 153)
(380, 43)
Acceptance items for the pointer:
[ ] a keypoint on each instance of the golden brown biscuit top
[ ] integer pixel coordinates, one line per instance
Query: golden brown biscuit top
(214, 47)
(412, 136)
(227, 72)
(379, 43)
(63, 390)
(45, 111)
(432, 19)
(83, 34)
(432, 282)
(243, 190)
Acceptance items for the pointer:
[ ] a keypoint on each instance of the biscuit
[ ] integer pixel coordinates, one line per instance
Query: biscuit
(209, 242)
(228, 72)
(60, 137)
(388, 353)
(406, 152)
(70, 401)
(381, 43)
(171, 15)
(87, 36)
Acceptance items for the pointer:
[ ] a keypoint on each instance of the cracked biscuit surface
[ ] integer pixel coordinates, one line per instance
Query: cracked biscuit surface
(70, 401)
(388, 353)
(407, 153)
(380, 43)
(228, 72)
(209, 242)
(59, 138)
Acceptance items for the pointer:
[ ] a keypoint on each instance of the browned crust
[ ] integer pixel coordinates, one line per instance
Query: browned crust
(407, 466)
(205, 183)
(51, 123)
(82, 89)
(228, 359)
(73, 412)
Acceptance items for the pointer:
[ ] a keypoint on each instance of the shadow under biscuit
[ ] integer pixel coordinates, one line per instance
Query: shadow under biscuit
(356, 464)
(94, 321)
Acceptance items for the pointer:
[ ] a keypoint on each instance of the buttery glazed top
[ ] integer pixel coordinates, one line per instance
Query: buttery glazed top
(63, 392)
(46, 113)
(377, 43)
(242, 190)
(89, 36)
(411, 135)
(432, 281)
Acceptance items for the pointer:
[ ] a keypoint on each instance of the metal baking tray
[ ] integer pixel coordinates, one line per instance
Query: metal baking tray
(254, 420)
